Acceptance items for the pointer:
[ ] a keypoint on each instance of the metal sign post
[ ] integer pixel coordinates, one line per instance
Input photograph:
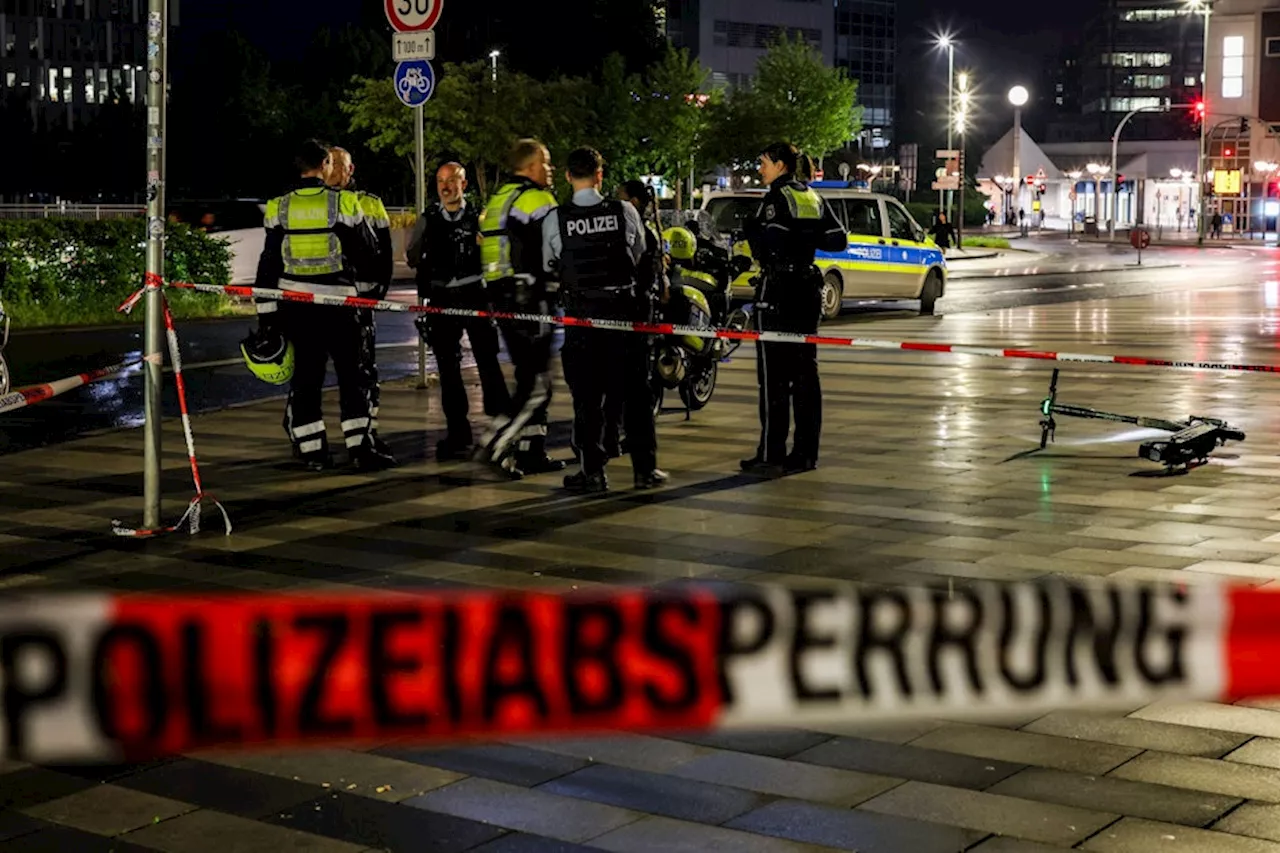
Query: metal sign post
(413, 46)
(153, 343)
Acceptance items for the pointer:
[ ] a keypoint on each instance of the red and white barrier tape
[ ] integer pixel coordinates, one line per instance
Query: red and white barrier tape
(98, 677)
(190, 518)
(244, 292)
(24, 397)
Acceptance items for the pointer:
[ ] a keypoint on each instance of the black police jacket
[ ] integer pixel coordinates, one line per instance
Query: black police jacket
(445, 250)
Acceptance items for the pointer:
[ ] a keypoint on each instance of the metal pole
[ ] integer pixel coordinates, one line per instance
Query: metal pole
(959, 222)
(1115, 186)
(420, 205)
(1015, 194)
(153, 335)
(951, 110)
(1204, 122)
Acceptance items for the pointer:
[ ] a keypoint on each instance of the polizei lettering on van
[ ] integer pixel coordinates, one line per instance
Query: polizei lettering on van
(843, 652)
(594, 225)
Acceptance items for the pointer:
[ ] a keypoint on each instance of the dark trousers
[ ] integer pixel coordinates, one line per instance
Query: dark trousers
(444, 335)
(319, 333)
(788, 377)
(369, 363)
(605, 369)
(522, 428)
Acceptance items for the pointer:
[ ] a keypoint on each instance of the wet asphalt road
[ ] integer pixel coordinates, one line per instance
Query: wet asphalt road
(215, 378)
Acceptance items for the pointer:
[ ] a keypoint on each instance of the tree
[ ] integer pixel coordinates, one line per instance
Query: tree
(675, 110)
(795, 97)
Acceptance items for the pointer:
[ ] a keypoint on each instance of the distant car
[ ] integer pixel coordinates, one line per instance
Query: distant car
(236, 221)
(889, 255)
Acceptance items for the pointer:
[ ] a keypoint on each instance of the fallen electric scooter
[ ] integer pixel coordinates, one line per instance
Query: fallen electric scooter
(1189, 446)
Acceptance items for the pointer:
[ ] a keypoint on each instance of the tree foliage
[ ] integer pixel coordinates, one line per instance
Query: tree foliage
(795, 97)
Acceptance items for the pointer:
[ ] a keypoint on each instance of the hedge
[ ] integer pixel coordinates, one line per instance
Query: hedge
(71, 271)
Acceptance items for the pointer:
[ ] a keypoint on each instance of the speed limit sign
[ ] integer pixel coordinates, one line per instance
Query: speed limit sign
(413, 15)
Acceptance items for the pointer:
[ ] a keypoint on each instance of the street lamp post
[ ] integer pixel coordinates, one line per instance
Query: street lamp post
(961, 122)
(1098, 171)
(1074, 175)
(948, 44)
(1018, 96)
(1115, 167)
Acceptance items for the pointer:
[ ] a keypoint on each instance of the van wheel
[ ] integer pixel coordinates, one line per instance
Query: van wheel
(832, 295)
(930, 293)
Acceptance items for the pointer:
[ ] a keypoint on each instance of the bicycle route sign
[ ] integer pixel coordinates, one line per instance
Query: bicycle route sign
(413, 15)
(415, 82)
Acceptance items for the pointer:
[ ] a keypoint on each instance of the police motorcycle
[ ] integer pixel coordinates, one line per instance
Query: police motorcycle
(701, 274)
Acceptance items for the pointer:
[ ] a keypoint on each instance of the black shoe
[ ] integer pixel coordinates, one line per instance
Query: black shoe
(371, 457)
(652, 479)
(587, 484)
(544, 464)
(613, 451)
(508, 468)
(798, 464)
(756, 465)
(320, 460)
(452, 451)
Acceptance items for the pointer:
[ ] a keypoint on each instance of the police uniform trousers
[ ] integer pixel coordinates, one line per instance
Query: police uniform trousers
(369, 363)
(319, 333)
(522, 429)
(604, 369)
(788, 373)
(444, 335)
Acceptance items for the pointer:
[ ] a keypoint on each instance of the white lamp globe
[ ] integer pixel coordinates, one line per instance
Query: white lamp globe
(1018, 96)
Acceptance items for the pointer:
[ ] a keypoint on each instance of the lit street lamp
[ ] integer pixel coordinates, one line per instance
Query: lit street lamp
(1074, 175)
(961, 122)
(948, 44)
(493, 58)
(1098, 171)
(1018, 96)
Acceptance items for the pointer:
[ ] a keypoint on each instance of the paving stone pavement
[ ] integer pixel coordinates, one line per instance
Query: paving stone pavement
(927, 475)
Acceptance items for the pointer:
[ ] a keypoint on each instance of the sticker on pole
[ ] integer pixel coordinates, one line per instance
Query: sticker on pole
(415, 82)
(413, 15)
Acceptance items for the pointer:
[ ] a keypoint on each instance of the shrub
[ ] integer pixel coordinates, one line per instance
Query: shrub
(70, 271)
(985, 242)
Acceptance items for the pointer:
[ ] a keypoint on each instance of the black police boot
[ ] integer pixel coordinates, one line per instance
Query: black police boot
(373, 455)
(587, 484)
(759, 467)
(448, 450)
(796, 464)
(534, 463)
(317, 460)
(651, 479)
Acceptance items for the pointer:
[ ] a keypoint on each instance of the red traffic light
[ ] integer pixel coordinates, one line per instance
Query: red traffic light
(1199, 108)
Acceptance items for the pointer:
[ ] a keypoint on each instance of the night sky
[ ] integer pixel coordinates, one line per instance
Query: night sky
(1003, 42)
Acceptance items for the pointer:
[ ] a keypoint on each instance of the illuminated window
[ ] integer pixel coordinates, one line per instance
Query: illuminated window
(53, 84)
(1233, 67)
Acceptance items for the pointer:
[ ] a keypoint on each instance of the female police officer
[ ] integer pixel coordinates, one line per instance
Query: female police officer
(791, 225)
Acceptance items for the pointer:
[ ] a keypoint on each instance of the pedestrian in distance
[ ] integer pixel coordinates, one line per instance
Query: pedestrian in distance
(445, 250)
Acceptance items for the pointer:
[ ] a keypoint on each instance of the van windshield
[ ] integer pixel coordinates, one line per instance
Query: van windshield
(730, 213)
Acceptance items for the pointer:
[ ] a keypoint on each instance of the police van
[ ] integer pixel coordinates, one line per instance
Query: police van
(889, 255)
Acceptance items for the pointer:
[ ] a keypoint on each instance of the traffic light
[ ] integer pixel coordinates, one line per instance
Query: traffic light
(1198, 106)
(1226, 152)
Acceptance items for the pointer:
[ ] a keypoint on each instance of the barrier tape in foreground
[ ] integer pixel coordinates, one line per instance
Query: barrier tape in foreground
(119, 678)
(244, 292)
(24, 397)
(191, 518)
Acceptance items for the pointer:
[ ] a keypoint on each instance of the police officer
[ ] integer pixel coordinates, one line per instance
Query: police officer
(445, 250)
(594, 246)
(791, 225)
(511, 263)
(317, 242)
(342, 176)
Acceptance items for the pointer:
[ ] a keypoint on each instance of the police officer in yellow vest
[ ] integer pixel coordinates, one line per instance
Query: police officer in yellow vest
(792, 224)
(317, 242)
(342, 176)
(511, 263)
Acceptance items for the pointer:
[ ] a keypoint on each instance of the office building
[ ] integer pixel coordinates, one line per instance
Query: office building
(65, 58)
(866, 38)
(1134, 54)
